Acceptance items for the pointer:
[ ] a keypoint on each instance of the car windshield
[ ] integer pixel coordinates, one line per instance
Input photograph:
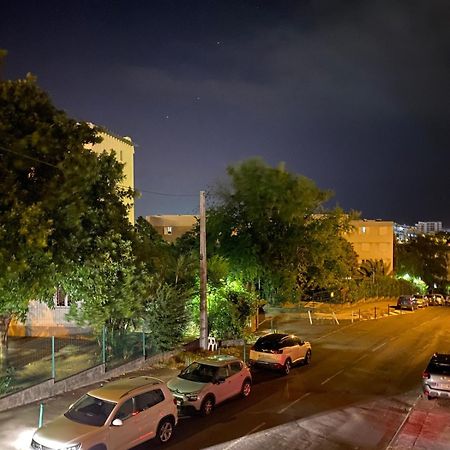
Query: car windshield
(202, 373)
(90, 411)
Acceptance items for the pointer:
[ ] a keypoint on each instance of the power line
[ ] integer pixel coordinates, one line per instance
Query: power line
(167, 194)
(164, 194)
(29, 157)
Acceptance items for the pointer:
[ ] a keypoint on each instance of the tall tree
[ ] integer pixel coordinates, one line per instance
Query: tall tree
(58, 200)
(426, 257)
(273, 228)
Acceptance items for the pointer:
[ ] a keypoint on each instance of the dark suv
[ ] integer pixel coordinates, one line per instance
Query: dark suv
(406, 302)
(436, 378)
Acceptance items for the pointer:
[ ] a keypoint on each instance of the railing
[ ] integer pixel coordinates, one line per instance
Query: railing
(31, 360)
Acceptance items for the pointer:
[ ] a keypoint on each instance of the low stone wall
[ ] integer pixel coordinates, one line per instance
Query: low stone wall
(96, 374)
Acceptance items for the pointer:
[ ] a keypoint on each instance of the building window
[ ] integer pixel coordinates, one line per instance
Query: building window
(363, 230)
(61, 298)
(167, 230)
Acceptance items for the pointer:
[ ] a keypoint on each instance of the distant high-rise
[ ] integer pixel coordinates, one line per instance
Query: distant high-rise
(429, 227)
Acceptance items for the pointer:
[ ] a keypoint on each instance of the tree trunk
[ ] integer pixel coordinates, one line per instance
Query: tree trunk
(5, 320)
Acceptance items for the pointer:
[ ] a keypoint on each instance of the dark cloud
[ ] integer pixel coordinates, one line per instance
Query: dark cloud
(353, 94)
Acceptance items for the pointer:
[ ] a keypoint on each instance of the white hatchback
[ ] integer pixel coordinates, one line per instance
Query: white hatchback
(210, 381)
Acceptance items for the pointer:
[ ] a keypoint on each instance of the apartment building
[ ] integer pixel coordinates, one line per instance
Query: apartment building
(373, 240)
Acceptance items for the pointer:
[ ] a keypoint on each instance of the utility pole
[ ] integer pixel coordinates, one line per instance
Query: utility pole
(203, 275)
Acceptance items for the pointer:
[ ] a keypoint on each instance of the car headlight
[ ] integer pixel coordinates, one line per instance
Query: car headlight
(72, 447)
(192, 397)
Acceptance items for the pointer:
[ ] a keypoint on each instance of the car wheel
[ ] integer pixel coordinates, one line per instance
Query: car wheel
(287, 367)
(165, 430)
(308, 357)
(246, 388)
(207, 406)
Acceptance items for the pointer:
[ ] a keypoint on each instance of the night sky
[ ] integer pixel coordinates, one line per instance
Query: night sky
(353, 94)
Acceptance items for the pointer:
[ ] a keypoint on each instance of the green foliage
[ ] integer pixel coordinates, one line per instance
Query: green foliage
(425, 257)
(62, 207)
(108, 290)
(7, 380)
(271, 226)
(165, 315)
(229, 308)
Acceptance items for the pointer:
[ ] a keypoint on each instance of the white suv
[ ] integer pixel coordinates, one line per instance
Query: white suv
(117, 416)
(280, 351)
(209, 381)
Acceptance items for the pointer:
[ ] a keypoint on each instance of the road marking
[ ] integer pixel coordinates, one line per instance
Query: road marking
(361, 358)
(379, 346)
(245, 435)
(281, 411)
(335, 375)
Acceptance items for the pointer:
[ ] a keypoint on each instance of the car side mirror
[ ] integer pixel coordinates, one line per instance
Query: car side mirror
(117, 423)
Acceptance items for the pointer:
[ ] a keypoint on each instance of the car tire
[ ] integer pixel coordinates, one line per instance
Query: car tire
(246, 388)
(165, 430)
(287, 367)
(207, 406)
(307, 359)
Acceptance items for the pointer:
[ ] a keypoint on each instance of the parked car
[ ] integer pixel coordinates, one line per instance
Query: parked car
(420, 300)
(280, 351)
(406, 302)
(209, 381)
(436, 377)
(439, 299)
(117, 416)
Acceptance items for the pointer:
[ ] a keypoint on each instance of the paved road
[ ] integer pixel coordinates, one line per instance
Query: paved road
(357, 393)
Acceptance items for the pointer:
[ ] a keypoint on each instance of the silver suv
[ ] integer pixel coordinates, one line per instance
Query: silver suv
(209, 381)
(436, 378)
(117, 416)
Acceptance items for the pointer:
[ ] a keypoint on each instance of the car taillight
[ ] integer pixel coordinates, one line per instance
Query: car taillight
(425, 375)
(175, 401)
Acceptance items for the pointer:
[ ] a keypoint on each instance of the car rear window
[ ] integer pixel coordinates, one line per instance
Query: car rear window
(439, 369)
(262, 345)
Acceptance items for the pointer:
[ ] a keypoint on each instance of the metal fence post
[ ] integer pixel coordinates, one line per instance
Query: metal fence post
(143, 343)
(53, 358)
(104, 345)
(41, 415)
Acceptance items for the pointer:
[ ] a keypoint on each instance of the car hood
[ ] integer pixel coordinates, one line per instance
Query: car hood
(61, 432)
(181, 386)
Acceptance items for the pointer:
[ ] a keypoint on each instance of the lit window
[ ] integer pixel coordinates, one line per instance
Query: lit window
(363, 230)
(167, 230)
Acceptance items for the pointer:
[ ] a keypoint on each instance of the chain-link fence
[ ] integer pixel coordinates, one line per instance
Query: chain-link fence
(28, 361)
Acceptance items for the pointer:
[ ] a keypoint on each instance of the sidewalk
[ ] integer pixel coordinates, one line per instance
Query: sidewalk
(427, 427)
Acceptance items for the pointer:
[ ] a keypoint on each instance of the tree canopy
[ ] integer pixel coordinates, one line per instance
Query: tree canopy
(60, 202)
(273, 227)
